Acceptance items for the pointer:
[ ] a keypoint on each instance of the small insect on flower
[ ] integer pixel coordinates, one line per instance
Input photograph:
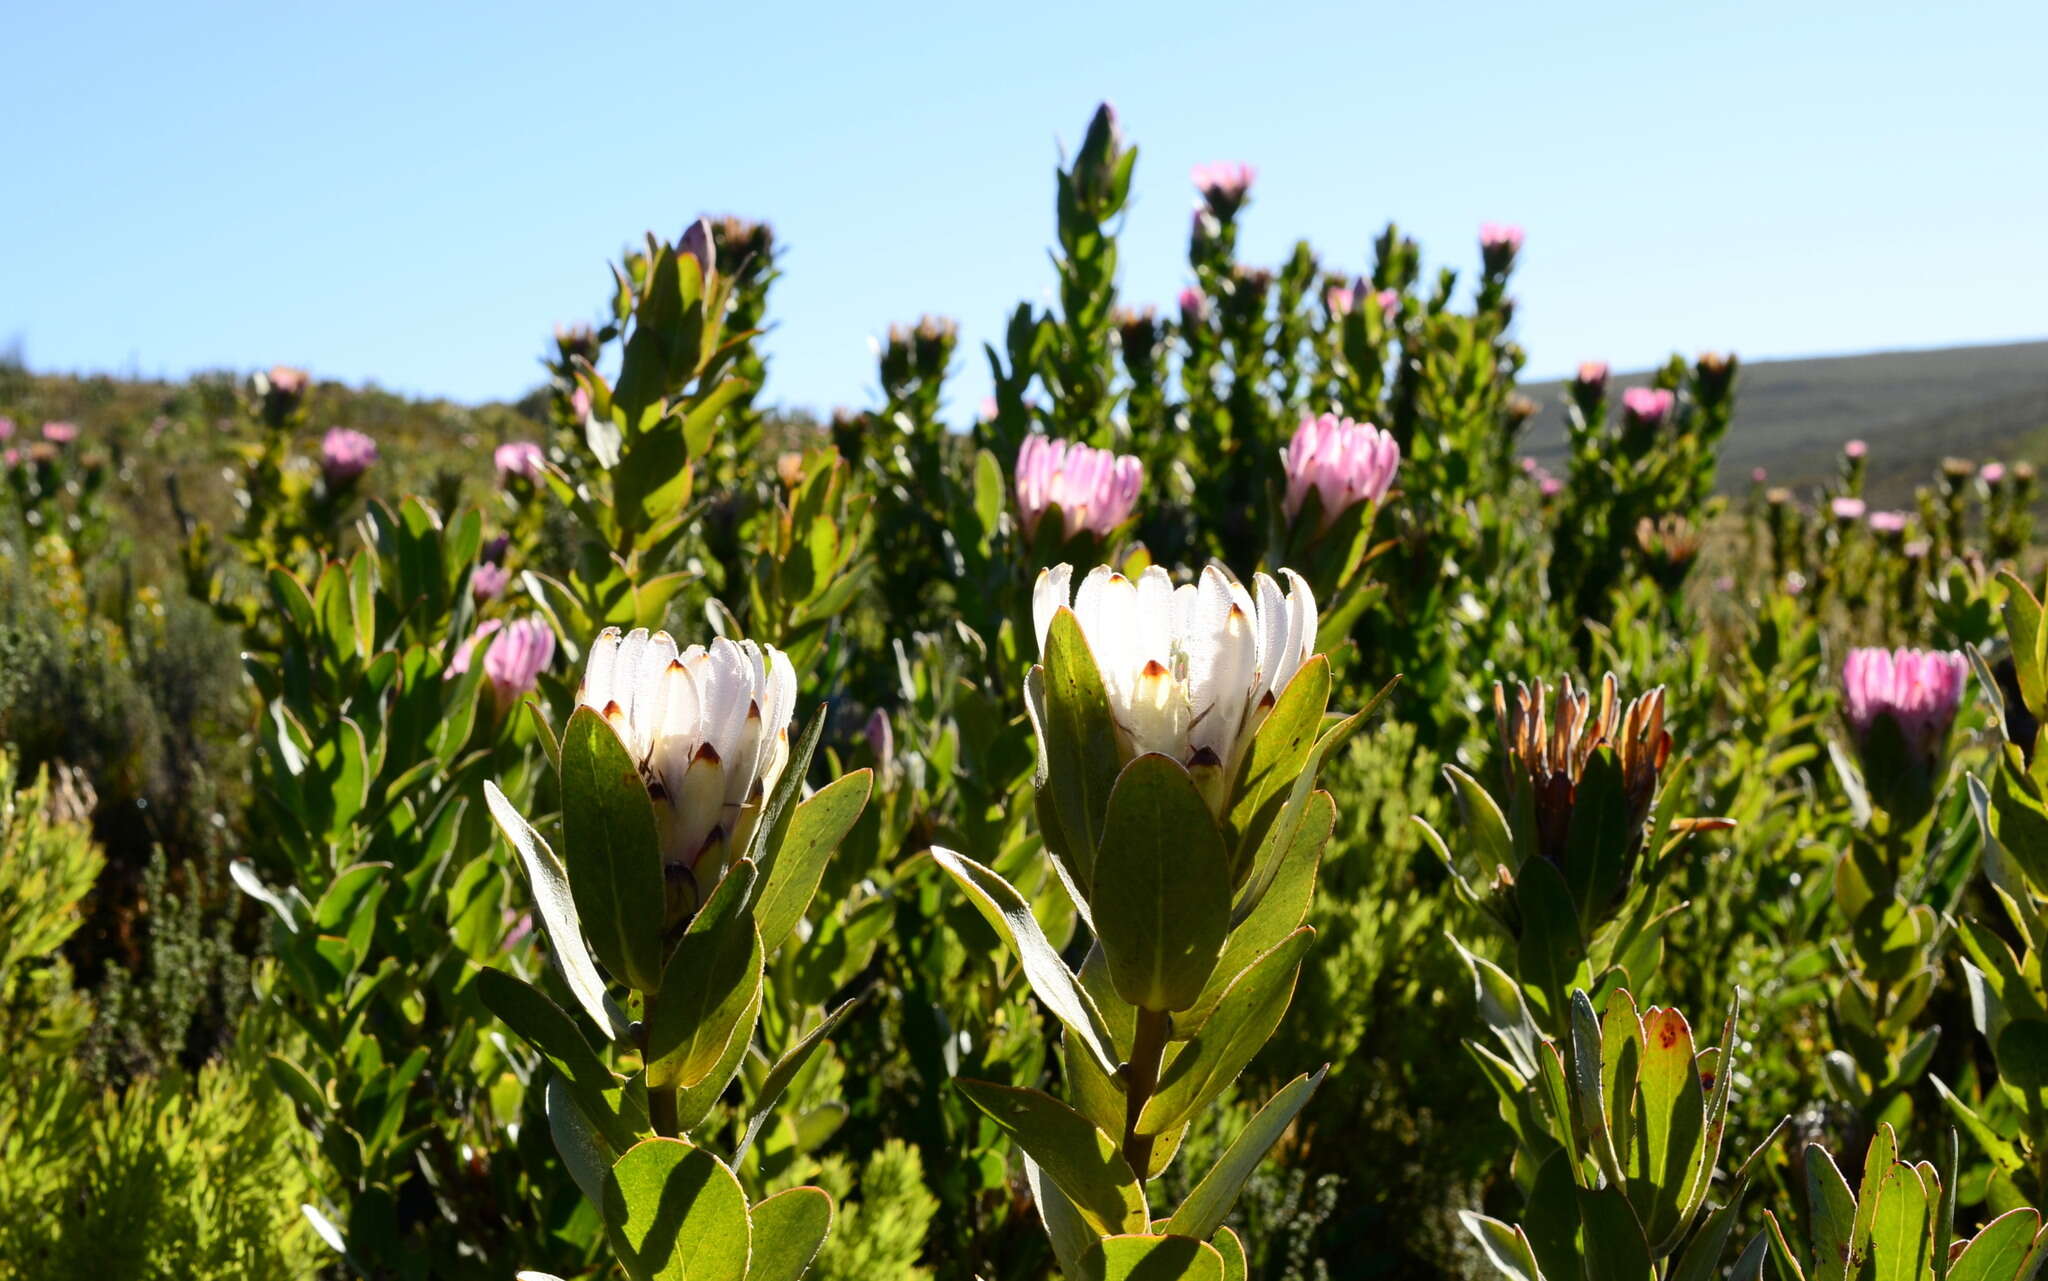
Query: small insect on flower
(709, 728)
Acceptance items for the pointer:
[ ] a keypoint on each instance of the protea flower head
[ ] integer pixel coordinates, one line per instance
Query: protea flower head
(1499, 242)
(1847, 510)
(1670, 544)
(487, 580)
(1547, 751)
(709, 727)
(522, 458)
(519, 653)
(345, 454)
(1889, 522)
(1194, 308)
(1592, 374)
(1991, 473)
(1224, 186)
(1191, 671)
(1918, 690)
(60, 433)
(1094, 489)
(1344, 462)
(1649, 406)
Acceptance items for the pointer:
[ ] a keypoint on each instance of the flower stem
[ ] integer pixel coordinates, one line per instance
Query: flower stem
(1148, 1049)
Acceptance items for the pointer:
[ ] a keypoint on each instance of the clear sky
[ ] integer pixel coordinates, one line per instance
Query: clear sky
(415, 193)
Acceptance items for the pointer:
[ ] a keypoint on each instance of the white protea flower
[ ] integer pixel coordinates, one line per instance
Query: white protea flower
(709, 727)
(1191, 671)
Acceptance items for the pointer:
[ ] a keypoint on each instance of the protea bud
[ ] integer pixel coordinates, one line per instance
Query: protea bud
(1102, 150)
(1224, 187)
(518, 458)
(1900, 705)
(60, 433)
(487, 580)
(1669, 546)
(709, 729)
(574, 343)
(1889, 523)
(1498, 244)
(1194, 308)
(1550, 761)
(1847, 510)
(283, 394)
(1094, 489)
(1191, 671)
(1647, 407)
(697, 242)
(519, 653)
(345, 454)
(1345, 463)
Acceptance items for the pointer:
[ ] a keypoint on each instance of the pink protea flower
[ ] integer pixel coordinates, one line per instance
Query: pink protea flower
(1855, 449)
(1649, 406)
(345, 454)
(1549, 486)
(6, 429)
(1093, 488)
(1389, 301)
(520, 653)
(579, 403)
(1917, 549)
(288, 380)
(1339, 300)
(487, 580)
(1847, 508)
(1889, 522)
(60, 433)
(1342, 461)
(1918, 689)
(458, 665)
(521, 458)
(1223, 186)
(1495, 236)
(1991, 473)
(1194, 308)
(1592, 375)
(1759, 475)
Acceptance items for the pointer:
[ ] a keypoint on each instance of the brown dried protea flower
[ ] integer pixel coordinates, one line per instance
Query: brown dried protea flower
(1547, 755)
(1669, 546)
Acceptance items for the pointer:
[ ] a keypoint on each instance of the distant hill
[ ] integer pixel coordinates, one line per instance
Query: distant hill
(1913, 408)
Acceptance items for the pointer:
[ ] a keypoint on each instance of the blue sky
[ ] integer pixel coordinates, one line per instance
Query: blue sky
(415, 194)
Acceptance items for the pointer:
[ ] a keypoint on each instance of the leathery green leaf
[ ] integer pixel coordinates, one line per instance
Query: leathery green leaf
(1162, 865)
(612, 851)
(1086, 1164)
(710, 981)
(1210, 1060)
(789, 1230)
(1210, 1203)
(1082, 756)
(1150, 1258)
(666, 1200)
(1673, 1122)
(815, 830)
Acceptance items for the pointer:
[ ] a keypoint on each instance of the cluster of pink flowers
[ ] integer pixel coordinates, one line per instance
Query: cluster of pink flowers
(1649, 406)
(521, 458)
(1224, 185)
(1547, 484)
(519, 652)
(345, 454)
(1919, 689)
(1342, 461)
(1094, 489)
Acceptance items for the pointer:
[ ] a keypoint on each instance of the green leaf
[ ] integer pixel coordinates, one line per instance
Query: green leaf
(709, 983)
(784, 1071)
(1210, 1203)
(1265, 863)
(1005, 909)
(1611, 1238)
(1069, 1233)
(1278, 753)
(815, 829)
(789, 1230)
(674, 1212)
(1504, 1246)
(1590, 1077)
(1082, 756)
(1086, 1164)
(1552, 949)
(1501, 1007)
(1149, 1258)
(1484, 824)
(1832, 1207)
(613, 851)
(1999, 1248)
(789, 785)
(548, 1028)
(1596, 845)
(585, 1152)
(1902, 1230)
(1672, 1125)
(553, 899)
(2029, 639)
(2022, 1052)
(1162, 872)
(1246, 1016)
(1237, 1264)
(1283, 908)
